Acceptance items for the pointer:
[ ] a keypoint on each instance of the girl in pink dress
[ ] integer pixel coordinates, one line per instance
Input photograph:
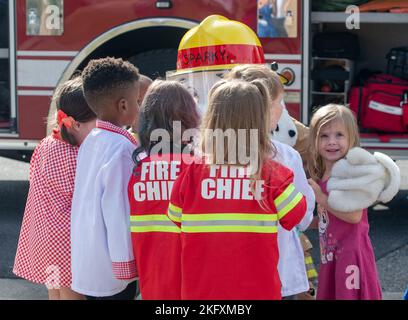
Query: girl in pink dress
(44, 249)
(347, 270)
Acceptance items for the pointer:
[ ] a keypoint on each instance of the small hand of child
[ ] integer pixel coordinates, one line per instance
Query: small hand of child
(321, 198)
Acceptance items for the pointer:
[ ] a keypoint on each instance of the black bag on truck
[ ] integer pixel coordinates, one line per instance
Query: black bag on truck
(398, 62)
(336, 45)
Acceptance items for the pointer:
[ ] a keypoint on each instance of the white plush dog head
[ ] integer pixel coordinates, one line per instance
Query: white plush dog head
(286, 130)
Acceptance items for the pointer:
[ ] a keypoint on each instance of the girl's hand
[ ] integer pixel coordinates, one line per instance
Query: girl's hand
(321, 198)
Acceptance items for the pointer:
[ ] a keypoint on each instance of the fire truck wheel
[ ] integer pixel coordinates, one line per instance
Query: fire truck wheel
(155, 63)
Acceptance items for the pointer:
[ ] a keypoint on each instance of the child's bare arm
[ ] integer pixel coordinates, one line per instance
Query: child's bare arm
(350, 217)
(321, 198)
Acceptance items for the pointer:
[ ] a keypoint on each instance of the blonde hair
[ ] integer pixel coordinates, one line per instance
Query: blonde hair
(236, 105)
(251, 72)
(321, 118)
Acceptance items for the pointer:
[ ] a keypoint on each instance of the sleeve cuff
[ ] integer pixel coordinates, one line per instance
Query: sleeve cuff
(125, 270)
(174, 214)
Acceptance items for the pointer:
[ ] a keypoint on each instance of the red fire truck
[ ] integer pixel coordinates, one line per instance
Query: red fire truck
(45, 42)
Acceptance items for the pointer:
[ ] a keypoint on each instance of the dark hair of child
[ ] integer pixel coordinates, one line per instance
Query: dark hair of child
(69, 97)
(103, 78)
(164, 103)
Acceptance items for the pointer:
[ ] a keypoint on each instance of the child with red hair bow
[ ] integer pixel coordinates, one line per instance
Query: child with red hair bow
(44, 251)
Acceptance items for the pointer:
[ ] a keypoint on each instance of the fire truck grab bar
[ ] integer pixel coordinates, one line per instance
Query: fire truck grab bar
(306, 61)
(12, 56)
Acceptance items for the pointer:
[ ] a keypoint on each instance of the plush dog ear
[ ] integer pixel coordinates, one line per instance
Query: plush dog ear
(393, 177)
(356, 181)
(358, 156)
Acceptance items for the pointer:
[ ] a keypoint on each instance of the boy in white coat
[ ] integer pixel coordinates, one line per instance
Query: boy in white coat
(103, 266)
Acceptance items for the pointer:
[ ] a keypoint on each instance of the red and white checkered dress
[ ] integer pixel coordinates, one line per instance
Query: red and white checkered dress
(44, 248)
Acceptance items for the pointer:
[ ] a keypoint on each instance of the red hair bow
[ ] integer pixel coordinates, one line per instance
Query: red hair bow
(64, 119)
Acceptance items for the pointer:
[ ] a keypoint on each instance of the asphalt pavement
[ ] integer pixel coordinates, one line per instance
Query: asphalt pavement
(388, 232)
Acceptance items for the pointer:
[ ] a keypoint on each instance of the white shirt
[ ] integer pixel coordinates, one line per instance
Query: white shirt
(291, 266)
(100, 226)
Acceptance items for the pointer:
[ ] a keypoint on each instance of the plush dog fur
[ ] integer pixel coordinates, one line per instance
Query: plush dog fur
(393, 177)
(286, 131)
(361, 179)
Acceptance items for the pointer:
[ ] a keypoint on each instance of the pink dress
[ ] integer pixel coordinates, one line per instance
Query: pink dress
(44, 248)
(347, 270)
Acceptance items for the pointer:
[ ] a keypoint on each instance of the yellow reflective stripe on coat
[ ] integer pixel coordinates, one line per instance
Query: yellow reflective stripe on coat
(308, 260)
(229, 222)
(229, 216)
(287, 200)
(149, 217)
(310, 268)
(289, 189)
(152, 223)
(312, 274)
(174, 213)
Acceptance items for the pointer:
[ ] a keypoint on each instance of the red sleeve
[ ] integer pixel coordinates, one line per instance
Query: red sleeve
(289, 202)
(175, 210)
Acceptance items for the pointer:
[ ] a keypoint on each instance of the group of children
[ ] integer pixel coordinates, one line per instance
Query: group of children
(190, 220)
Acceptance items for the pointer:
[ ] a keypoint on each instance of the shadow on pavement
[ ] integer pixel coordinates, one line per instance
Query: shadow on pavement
(13, 196)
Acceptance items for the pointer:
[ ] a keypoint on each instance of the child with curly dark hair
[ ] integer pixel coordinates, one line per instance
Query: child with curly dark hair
(103, 266)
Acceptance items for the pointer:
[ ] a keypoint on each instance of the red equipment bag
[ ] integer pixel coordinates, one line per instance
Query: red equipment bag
(381, 103)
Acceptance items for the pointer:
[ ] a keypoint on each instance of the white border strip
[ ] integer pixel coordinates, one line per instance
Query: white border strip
(47, 93)
(47, 53)
(269, 56)
(17, 144)
(365, 17)
(386, 145)
(6, 135)
(40, 73)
